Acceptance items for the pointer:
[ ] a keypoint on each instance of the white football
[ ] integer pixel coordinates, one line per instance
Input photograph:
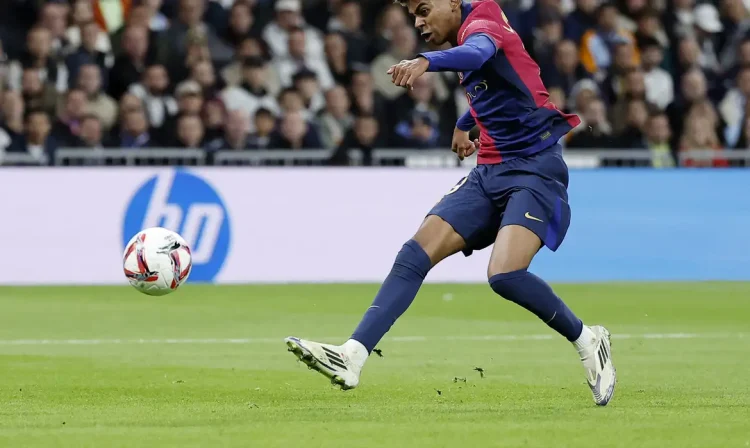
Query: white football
(157, 261)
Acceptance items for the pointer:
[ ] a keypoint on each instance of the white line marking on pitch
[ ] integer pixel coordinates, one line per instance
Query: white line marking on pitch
(501, 337)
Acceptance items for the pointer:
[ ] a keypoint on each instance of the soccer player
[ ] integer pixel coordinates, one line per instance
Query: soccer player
(516, 197)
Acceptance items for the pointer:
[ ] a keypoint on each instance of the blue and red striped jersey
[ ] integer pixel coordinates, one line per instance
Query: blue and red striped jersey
(507, 98)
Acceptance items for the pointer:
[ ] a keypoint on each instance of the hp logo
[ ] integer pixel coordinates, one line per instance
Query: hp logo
(183, 202)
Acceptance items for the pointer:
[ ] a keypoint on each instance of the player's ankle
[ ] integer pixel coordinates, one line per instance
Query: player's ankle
(356, 350)
(585, 340)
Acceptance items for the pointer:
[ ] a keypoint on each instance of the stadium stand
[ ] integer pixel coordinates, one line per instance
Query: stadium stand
(660, 83)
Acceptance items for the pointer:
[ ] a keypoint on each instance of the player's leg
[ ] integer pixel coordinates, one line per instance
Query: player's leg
(458, 222)
(434, 241)
(527, 220)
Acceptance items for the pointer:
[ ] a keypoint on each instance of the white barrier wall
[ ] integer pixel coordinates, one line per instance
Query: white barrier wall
(69, 226)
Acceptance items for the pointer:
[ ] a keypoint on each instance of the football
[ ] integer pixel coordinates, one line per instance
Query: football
(157, 261)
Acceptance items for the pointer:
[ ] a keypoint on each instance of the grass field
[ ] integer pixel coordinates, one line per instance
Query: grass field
(207, 367)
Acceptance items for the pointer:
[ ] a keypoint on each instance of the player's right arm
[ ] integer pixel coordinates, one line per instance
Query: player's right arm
(478, 49)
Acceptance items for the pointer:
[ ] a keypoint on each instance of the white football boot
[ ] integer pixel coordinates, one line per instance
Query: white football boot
(595, 350)
(342, 364)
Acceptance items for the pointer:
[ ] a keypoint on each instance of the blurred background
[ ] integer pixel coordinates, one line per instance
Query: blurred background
(303, 82)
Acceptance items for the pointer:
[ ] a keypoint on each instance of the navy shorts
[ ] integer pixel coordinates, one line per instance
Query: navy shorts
(530, 192)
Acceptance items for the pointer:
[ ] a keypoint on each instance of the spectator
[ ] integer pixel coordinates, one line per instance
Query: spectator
(214, 116)
(597, 132)
(252, 93)
(296, 134)
(650, 28)
(633, 133)
(742, 60)
(143, 17)
(156, 20)
(236, 135)
(679, 19)
(190, 132)
(11, 122)
(36, 93)
(39, 56)
(204, 74)
(693, 91)
(659, 84)
(545, 36)
(658, 137)
(3, 66)
(732, 107)
(87, 53)
(336, 120)
(99, 103)
(363, 137)
(566, 70)
(403, 46)
(707, 26)
(189, 96)
(289, 19)
(581, 20)
(291, 102)
(135, 133)
(700, 134)
(54, 18)
(633, 88)
(251, 48)
(197, 52)
(153, 91)
(37, 140)
(265, 124)
(297, 59)
(348, 21)
(416, 111)
(744, 141)
(421, 130)
(392, 18)
(336, 50)
(306, 83)
(67, 126)
(91, 134)
(129, 67)
(82, 15)
(189, 21)
(241, 21)
(367, 101)
(598, 46)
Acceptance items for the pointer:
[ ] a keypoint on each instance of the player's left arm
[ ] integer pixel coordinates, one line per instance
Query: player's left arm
(478, 49)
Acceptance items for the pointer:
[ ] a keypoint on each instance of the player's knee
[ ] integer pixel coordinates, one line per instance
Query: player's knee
(505, 265)
(438, 239)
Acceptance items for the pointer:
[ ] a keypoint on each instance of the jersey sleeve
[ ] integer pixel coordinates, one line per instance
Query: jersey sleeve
(467, 57)
(466, 122)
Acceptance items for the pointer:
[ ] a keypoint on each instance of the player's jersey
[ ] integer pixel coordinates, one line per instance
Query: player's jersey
(507, 97)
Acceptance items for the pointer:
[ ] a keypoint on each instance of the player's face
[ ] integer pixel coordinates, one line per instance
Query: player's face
(437, 20)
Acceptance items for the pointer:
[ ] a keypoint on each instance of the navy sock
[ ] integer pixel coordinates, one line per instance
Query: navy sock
(532, 293)
(396, 294)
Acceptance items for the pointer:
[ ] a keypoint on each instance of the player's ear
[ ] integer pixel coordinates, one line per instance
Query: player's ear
(455, 4)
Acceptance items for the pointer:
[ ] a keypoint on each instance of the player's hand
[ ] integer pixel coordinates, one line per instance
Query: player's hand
(462, 145)
(406, 72)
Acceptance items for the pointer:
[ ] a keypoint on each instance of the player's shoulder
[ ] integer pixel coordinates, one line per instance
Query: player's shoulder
(484, 9)
(485, 16)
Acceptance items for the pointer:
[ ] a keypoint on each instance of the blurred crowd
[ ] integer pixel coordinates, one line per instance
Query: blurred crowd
(663, 75)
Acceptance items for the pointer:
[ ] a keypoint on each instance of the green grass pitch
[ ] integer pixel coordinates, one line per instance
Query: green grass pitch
(207, 367)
